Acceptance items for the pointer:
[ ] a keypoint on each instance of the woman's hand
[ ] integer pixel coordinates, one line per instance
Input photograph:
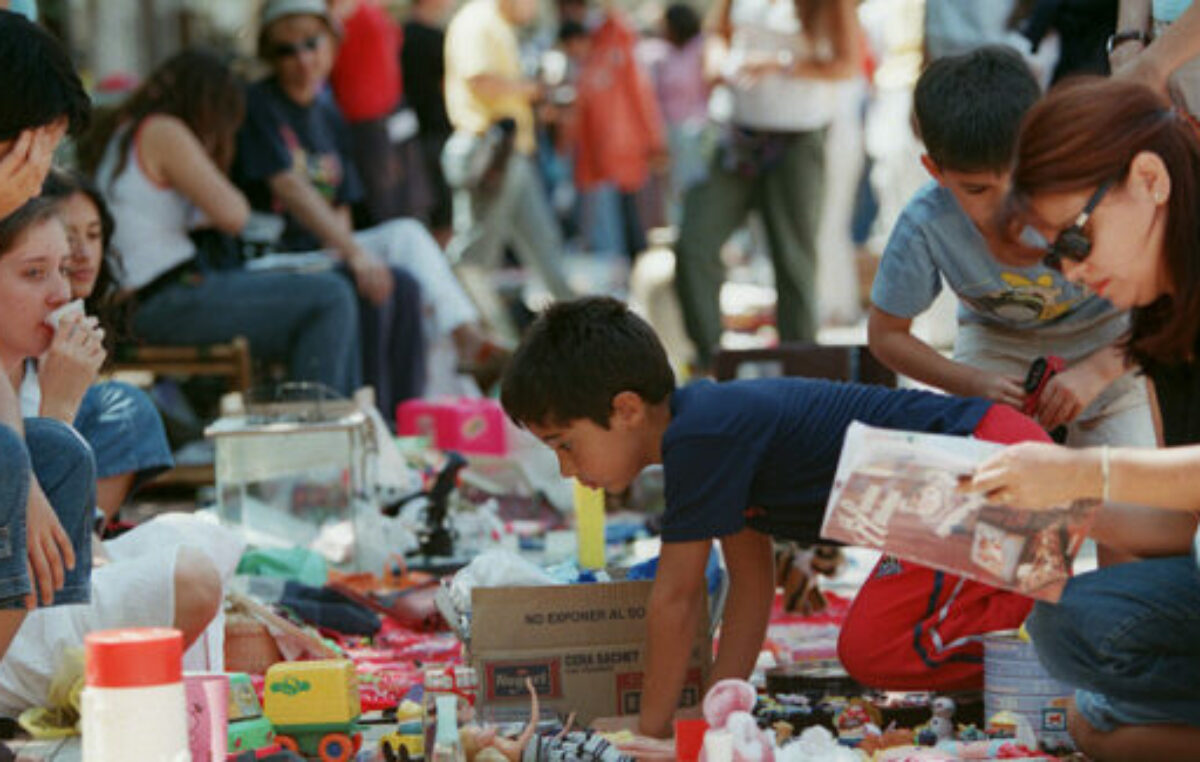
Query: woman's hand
(1038, 476)
(70, 366)
(48, 548)
(373, 277)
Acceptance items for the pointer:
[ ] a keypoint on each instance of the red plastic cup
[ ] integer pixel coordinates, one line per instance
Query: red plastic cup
(689, 738)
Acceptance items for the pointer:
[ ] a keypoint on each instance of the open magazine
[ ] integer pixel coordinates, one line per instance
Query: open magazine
(897, 491)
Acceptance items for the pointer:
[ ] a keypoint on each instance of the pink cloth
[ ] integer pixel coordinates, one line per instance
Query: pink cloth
(678, 76)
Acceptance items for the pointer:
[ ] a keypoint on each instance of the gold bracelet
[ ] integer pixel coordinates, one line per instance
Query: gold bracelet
(1104, 473)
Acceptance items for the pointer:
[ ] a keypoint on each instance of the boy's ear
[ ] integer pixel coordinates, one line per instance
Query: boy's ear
(628, 408)
(932, 168)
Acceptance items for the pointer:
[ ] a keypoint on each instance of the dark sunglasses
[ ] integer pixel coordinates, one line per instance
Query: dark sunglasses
(289, 49)
(1072, 243)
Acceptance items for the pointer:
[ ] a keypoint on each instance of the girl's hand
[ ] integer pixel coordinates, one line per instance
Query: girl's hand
(1067, 394)
(1036, 475)
(70, 366)
(48, 548)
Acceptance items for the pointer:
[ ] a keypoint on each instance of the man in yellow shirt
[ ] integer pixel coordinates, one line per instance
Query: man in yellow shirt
(485, 85)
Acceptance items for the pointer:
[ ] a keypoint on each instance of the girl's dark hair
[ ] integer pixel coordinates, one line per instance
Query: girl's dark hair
(1087, 131)
(682, 24)
(29, 215)
(60, 185)
(195, 86)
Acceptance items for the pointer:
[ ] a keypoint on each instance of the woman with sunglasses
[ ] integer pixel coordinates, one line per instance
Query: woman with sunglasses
(159, 158)
(294, 157)
(1110, 173)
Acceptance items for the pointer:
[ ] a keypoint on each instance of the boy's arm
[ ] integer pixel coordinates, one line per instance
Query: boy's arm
(676, 606)
(751, 564)
(890, 339)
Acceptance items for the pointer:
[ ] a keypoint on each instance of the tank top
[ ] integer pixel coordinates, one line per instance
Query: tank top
(776, 102)
(153, 220)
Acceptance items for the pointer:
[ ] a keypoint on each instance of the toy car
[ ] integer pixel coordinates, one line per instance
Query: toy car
(315, 706)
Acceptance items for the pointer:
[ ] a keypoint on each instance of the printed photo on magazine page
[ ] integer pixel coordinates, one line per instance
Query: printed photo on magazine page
(897, 491)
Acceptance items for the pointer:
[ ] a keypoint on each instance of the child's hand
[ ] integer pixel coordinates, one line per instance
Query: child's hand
(47, 546)
(24, 166)
(1007, 390)
(70, 366)
(1066, 395)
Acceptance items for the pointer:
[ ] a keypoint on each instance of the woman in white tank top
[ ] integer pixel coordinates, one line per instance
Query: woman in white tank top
(774, 61)
(159, 160)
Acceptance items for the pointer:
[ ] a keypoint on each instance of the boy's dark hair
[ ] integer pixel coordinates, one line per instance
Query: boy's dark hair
(968, 108)
(39, 84)
(576, 357)
(682, 24)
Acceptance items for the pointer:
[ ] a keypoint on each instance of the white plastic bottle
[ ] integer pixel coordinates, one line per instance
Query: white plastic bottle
(133, 702)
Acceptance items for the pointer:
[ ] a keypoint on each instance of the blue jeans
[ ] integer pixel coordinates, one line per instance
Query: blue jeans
(309, 320)
(1128, 638)
(63, 465)
(125, 432)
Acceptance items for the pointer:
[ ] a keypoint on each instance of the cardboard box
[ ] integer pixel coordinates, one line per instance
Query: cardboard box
(580, 644)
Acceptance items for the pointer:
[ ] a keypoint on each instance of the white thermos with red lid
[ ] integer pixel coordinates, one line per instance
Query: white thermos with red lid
(133, 700)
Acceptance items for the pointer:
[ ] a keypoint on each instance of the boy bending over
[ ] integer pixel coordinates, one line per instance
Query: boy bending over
(743, 461)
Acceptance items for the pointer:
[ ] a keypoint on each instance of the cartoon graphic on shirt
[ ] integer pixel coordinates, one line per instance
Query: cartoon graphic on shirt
(323, 170)
(1024, 300)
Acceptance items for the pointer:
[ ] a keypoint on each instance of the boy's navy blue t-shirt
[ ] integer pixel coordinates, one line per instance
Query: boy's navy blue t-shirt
(762, 453)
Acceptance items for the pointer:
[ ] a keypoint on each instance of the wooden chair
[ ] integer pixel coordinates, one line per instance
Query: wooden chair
(837, 362)
(229, 361)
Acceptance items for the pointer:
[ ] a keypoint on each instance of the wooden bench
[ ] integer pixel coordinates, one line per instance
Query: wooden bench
(230, 361)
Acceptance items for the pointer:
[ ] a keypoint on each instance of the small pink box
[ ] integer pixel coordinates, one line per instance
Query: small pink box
(208, 713)
(455, 423)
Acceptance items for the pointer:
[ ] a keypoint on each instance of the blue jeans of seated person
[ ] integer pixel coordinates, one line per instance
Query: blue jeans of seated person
(304, 319)
(125, 432)
(62, 463)
(1128, 638)
(393, 342)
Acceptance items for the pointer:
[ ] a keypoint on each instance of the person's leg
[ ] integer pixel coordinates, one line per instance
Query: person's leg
(635, 231)
(14, 495)
(1128, 637)
(393, 343)
(913, 628)
(66, 471)
(712, 210)
(126, 434)
(1134, 743)
(301, 318)
(790, 201)
(198, 593)
(535, 232)
(405, 243)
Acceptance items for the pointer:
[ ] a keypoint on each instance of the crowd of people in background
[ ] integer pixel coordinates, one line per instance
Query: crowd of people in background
(349, 213)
